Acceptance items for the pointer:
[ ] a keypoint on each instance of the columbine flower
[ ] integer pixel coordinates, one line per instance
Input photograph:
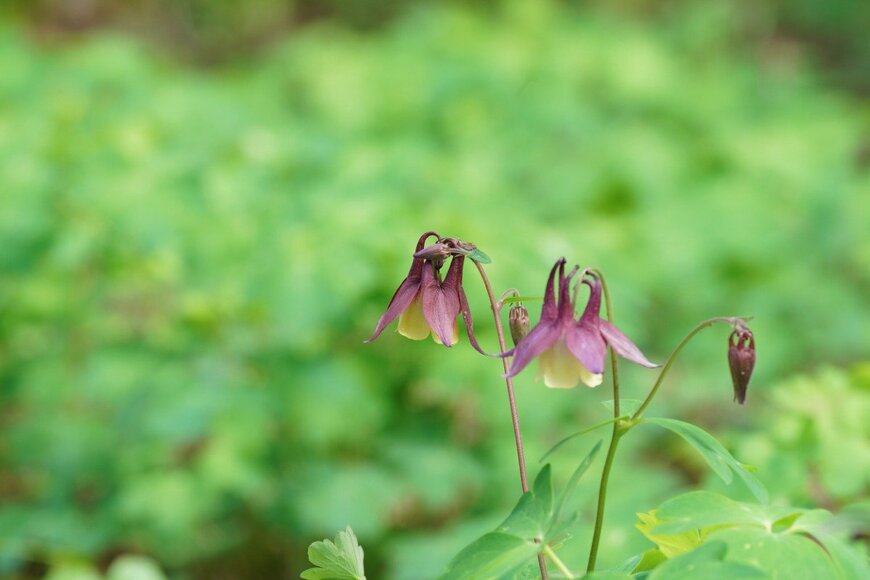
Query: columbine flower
(741, 360)
(424, 303)
(572, 351)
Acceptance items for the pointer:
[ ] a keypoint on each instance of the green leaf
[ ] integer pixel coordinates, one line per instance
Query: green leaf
(827, 529)
(491, 556)
(629, 565)
(513, 544)
(515, 299)
(649, 560)
(577, 434)
(706, 562)
(850, 563)
(341, 559)
(575, 479)
(782, 556)
(698, 510)
(478, 256)
(669, 544)
(608, 575)
(626, 406)
(716, 456)
(532, 515)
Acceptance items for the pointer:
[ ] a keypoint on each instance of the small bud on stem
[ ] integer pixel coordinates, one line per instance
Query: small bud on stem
(518, 317)
(741, 360)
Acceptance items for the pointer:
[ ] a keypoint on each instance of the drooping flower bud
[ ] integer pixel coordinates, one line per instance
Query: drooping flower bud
(741, 360)
(518, 318)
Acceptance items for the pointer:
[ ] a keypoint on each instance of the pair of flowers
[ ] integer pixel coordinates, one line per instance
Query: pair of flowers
(569, 350)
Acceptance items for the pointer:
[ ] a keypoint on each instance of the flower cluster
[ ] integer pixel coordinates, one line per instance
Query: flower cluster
(571, 350)
(426, 304)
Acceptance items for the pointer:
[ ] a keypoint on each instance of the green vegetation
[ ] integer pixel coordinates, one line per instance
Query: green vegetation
(190, 260)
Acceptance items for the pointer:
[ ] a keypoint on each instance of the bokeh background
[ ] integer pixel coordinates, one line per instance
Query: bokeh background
(206, 205)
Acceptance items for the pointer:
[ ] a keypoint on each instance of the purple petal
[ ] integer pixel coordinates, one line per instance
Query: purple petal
(537, 341)
(405, 293)
(566, 308)
(454, 282)
(591, 313)
(469, 324)
(585, 342)
(440, 305)
(623, 346)
(549, 310)
(402, 298)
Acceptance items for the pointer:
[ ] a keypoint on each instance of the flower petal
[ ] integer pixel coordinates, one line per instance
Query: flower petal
(549, 311)
(440, 304)
(591, 314)
(469, 324)
(566, 307)
(402, 298)
(412, 323)
(454, 336)
(561, 369)
(405, 293)
(623, 346)
(585, 342)
(537, 341)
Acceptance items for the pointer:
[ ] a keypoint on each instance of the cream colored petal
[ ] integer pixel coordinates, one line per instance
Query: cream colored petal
(412, 324)
(589, 379)
(455, 337)
(559, 367)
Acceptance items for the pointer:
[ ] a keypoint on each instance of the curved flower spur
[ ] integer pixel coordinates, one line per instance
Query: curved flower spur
(572, 351)
(424, 303)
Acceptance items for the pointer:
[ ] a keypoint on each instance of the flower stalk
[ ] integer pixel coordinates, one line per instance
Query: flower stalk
(509, 383)
(732, 321)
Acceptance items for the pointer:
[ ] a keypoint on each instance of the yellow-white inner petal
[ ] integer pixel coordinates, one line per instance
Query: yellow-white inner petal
(561, 370)
(453, 339)
(412, 323)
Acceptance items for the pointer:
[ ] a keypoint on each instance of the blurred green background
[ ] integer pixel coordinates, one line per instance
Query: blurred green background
(205, 207)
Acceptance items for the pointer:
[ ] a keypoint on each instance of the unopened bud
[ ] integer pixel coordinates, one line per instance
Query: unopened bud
(518, 317)
(741, 360)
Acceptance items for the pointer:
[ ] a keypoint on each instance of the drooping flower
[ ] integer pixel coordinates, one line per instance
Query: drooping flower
(572, 351)
(424, 303)
(741, 360)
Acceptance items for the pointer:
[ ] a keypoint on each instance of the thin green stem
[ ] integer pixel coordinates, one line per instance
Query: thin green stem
(672, 358)
(618, 432)
(560, 565)
(515, 418)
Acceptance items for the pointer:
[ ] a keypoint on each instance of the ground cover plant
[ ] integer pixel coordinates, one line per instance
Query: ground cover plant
(191, 258)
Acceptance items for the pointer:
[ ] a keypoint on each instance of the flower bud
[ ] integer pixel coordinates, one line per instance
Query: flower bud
(741, 360)
(518, 318)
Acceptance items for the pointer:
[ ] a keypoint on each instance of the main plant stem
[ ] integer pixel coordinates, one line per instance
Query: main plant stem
(616, 434)
(515, 418)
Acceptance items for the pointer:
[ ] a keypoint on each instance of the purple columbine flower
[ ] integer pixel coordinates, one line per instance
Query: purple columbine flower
(572, 351)
(424, 303)
(741, 360)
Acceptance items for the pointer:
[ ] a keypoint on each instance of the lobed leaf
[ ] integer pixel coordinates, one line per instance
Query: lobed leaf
(341, 559)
